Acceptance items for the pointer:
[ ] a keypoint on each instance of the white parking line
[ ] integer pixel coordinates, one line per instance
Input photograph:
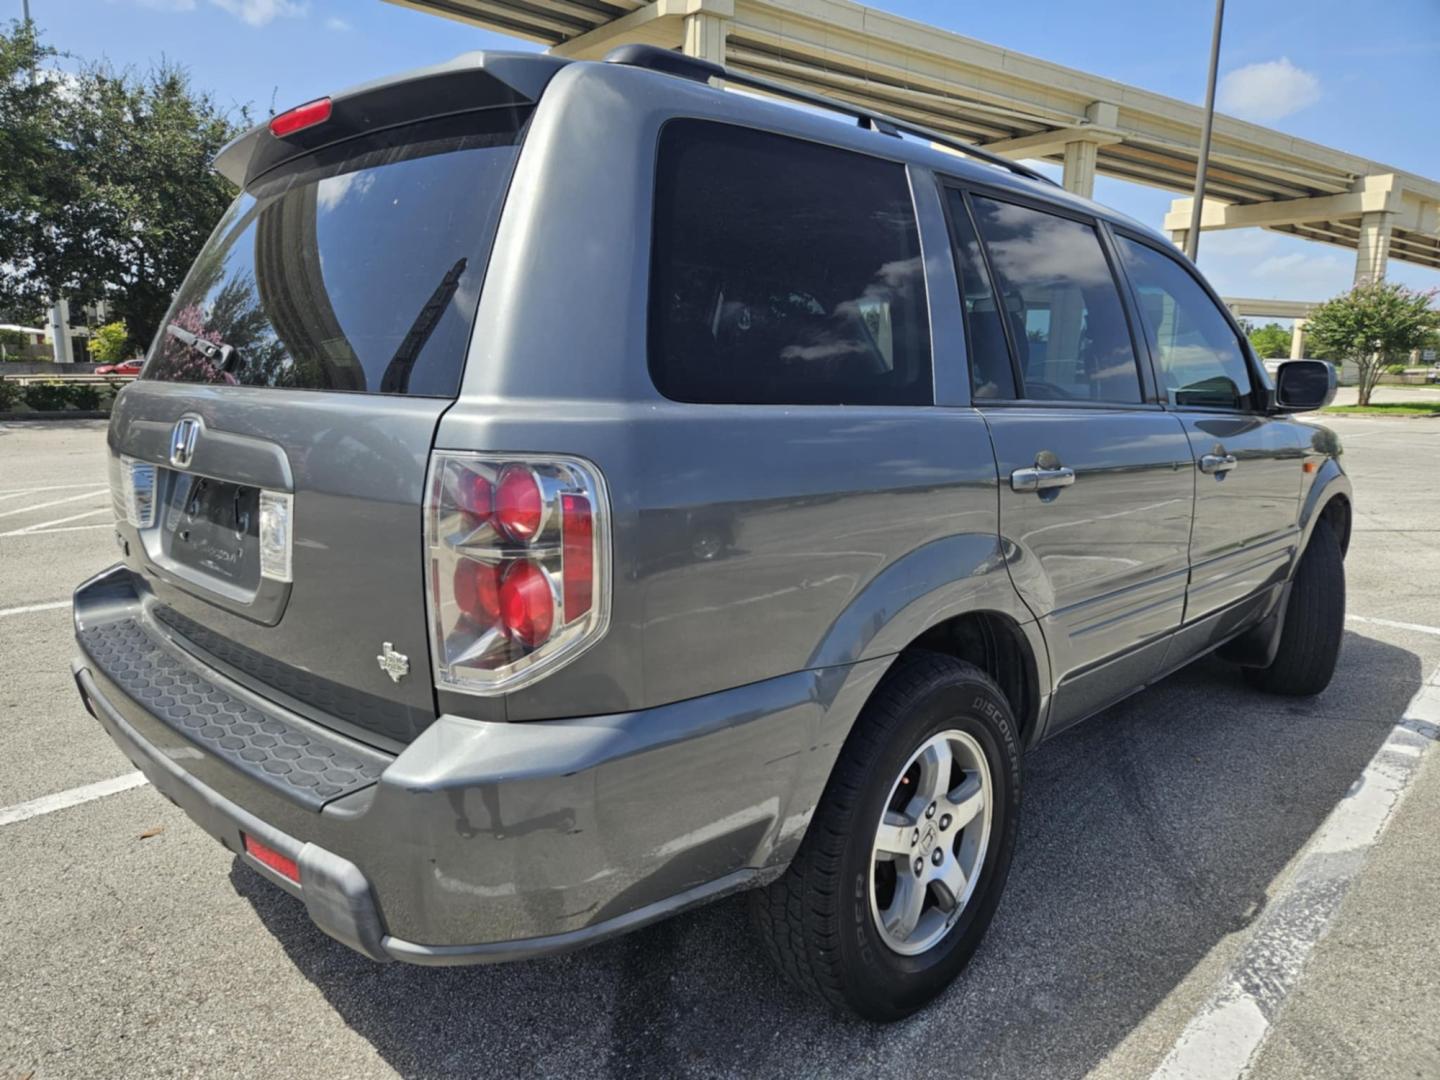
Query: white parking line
(1418, 628)
(28, 608)
(8, 493)
(46, 526)
(48, 804)
(55, 502)
(1221, 1041)
(46, 532)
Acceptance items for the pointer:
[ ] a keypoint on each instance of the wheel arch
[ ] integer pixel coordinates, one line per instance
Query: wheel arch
(1328, 500)
(952, 596)
(1337, 514)
(1011, 653)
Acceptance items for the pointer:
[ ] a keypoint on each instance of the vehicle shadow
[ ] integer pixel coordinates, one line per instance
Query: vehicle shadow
(1149, 834)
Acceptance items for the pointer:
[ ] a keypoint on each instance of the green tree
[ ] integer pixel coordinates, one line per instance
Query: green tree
(106, 189)
(13, 344)
(1374, 324)
(1271, 341)
(109, 344)
(22, 314)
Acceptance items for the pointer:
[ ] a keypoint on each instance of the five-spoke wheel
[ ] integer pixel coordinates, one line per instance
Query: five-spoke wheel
(930, 842)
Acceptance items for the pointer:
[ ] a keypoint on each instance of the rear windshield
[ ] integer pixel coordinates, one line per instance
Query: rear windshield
(357, 268)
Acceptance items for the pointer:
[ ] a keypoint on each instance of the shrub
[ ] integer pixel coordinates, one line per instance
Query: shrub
(1394, 369)
(56, 396)
(108, 344)
(9, 395)
(84, 396)
(46, 396)
(15, 344)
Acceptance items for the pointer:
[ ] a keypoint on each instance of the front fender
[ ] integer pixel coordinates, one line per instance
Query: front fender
(1325, 483)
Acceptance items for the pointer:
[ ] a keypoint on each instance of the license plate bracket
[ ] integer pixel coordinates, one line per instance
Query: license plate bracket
(211, 527)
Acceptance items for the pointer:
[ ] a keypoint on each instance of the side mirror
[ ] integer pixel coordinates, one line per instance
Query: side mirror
(1304, 385)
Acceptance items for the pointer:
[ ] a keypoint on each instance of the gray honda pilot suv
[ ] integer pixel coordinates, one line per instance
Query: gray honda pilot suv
(565, 493)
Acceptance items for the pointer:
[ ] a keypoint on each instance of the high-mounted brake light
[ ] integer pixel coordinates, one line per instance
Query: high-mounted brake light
(519, 566)
(300, 118)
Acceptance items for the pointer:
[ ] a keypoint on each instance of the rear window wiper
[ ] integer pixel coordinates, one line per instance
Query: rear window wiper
(222, 357)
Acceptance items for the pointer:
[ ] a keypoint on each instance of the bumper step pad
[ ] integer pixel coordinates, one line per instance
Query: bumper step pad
(303, 763)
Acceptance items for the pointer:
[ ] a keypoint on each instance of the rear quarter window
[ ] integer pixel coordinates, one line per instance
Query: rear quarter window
(784, 272)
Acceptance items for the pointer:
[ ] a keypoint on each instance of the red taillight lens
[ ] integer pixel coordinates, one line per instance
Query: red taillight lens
(519, 507)
(577, 532)
(478, 495)
(300, 118)
(519, 566)
(477, 591)
(264, 853)
(527, 603)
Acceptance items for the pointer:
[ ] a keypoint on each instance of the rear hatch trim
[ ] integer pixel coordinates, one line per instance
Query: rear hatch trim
(469, 83)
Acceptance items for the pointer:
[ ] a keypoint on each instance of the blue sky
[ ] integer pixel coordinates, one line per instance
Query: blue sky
(1364, 83)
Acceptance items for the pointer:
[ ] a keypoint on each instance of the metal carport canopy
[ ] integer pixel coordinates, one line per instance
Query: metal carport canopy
(1013, 104)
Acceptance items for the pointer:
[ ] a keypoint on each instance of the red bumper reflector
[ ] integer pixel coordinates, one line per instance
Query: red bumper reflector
(286, 868)
(300, 118)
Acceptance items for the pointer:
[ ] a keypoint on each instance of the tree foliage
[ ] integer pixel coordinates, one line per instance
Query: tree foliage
(106, 189)
(14, 344)
(1374, 324)
(1271, 341)
(109, 344)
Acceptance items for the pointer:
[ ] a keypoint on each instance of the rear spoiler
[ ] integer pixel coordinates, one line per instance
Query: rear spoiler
(468, 83)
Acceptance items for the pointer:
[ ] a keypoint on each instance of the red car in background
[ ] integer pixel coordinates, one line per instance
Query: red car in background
(125, 367)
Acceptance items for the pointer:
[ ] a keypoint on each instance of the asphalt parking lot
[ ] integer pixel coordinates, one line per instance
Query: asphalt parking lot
(1163, 851)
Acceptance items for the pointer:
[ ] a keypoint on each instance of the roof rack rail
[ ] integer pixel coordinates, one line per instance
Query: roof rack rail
(670, 62)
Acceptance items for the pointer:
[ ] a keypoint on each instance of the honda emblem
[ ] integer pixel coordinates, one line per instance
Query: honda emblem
(182, 442)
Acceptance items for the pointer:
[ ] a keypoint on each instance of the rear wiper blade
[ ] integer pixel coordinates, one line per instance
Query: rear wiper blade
(396, 379)
(220, 355)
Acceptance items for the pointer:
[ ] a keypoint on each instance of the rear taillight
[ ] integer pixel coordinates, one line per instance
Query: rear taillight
(137, 492)
(519, 564)
(277, 511)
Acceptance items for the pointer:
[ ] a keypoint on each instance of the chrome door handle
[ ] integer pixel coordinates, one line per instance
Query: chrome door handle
(1217, 463)
(1038, 479)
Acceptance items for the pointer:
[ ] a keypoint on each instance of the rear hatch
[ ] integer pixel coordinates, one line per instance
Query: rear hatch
(271, 458)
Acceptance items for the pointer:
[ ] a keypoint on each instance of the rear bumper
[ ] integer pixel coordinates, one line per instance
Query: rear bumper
(335, 892)
(484, 842)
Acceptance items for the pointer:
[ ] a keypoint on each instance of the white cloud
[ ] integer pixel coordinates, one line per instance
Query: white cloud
(1273, 266)
(260, 12)
(336, 189)
(334, 22)
(1268, 90)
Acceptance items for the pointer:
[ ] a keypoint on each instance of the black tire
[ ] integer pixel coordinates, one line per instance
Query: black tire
(1314, 622)
(816, 919)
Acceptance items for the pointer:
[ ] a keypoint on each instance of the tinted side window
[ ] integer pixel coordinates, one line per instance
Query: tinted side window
(991, 376)
(784, 273)
(1062, 305)
(1198, 358)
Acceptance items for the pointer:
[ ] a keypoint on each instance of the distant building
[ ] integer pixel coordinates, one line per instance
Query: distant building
(36, 334)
